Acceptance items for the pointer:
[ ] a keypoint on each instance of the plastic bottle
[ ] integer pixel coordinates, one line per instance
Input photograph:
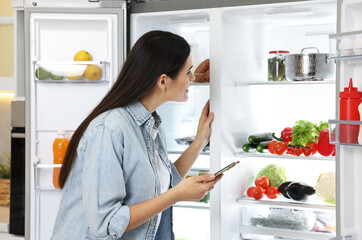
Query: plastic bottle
(360, 126)
(60, 146)
(350, 98)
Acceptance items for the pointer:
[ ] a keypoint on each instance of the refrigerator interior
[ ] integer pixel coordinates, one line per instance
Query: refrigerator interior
(180, 119)
(249, 104)
(349, 160)
(63, 103)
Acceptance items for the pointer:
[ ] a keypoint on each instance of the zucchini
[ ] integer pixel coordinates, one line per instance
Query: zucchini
(262, 146)
(249, 147)
(260, 137)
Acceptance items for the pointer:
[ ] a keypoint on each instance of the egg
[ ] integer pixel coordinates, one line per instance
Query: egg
(357, 45)
(345, 46)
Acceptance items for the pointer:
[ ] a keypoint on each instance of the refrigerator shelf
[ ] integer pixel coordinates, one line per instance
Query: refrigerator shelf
(196, 205)
(284, 83)
(71, 71)
(268, 155)
(282, 202)
(342, 132)
(285, 233)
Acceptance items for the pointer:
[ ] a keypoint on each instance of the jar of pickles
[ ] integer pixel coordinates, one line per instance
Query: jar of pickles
(276, 66)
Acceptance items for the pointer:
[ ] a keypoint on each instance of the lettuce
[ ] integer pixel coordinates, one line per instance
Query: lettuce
(305, 132)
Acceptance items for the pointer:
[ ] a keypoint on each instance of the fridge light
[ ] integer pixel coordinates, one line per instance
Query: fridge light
(181, 20)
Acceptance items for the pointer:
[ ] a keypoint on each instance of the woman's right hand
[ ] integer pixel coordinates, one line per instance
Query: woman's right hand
(196, 187)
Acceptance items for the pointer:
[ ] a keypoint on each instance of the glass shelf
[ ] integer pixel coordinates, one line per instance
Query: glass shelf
(286, 219)
(284, 83)
(343, 132)
(282, 202)
(71, 71)
(43, 176)
(197, 205)
(200, 84)
(286, 156)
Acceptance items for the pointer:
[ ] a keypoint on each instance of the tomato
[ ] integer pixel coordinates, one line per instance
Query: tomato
(271, 146)
(290, 150)
(272, 192)
(262, 181)
(250, 192)
(307, 151)
(258, 193)
(280, 148)
(313, 147)
(298, 151)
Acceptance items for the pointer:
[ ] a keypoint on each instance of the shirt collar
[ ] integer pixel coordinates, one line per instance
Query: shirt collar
(140, 114)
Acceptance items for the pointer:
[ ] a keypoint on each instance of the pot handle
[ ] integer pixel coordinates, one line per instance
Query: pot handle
(310, 48)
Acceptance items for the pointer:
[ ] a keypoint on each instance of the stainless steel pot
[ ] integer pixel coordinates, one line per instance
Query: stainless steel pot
(308, 66)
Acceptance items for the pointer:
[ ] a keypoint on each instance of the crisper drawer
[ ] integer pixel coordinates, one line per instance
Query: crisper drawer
(259, 219)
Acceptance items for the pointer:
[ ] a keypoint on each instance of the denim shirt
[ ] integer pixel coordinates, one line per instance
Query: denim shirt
(114, 168)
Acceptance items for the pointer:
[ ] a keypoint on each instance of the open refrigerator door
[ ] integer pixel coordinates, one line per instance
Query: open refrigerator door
(62, 89)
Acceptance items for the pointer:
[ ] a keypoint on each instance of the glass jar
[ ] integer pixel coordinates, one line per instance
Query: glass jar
(276, 67)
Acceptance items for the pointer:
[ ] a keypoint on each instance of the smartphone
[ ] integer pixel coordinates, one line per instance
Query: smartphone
(231, 165)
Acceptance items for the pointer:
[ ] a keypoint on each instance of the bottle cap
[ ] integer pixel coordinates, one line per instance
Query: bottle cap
(61, 132)
(350, 91)
(278, 51)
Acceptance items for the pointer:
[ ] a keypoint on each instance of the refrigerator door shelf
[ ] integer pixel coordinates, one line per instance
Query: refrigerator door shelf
(285, 156)
(346, 45)
(344, 132)
(71, 71)
(43, 176)
(279, 220)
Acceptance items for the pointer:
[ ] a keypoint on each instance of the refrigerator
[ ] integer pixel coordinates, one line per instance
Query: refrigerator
(236, 36)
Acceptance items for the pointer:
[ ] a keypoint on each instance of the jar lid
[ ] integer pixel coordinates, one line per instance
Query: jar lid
(278, 51)
(350, 91)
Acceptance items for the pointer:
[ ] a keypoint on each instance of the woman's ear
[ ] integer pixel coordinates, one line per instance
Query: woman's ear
(162, 82)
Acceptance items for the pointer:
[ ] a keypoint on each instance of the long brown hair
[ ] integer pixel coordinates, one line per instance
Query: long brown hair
(155, 53)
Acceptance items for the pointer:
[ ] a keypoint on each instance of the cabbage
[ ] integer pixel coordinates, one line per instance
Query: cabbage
(326, 187)
(276, 174)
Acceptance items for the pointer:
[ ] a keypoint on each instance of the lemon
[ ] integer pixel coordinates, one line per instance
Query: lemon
(82, 55)
(93, 72)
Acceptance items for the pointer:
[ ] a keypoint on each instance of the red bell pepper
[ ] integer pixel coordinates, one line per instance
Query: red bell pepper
(285, 135)
(324, 147)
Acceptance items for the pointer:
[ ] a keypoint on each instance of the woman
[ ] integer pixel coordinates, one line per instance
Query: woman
(117, 180)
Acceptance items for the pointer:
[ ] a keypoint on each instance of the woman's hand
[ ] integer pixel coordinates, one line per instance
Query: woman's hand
(203, 129)
(196, 187)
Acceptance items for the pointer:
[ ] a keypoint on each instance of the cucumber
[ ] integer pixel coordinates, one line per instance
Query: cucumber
(260, 137)
(262, 146)
(249, 147)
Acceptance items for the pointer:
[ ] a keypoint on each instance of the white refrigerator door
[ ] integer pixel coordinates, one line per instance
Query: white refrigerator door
(349, 156)
(58, 98)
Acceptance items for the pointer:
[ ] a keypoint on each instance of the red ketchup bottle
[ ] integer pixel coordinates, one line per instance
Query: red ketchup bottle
(350, 98)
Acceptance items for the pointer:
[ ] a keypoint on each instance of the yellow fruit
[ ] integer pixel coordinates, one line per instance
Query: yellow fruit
(82, 56)
(93, 72)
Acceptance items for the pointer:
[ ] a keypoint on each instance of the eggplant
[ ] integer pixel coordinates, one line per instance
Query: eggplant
(298, 191)
(283, 188)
